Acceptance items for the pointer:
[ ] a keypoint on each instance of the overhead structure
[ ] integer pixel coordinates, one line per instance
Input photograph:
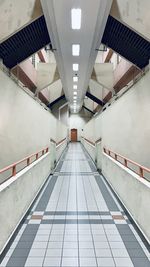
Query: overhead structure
(126, 42)
(24, 43)
(70, 24)
(46, 75)
(95, 99)
(105, 75)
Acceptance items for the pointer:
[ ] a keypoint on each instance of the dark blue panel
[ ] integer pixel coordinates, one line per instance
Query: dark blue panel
(88, 109)
(95, 99)
(24, 43)
(126, 42)
(50, 105)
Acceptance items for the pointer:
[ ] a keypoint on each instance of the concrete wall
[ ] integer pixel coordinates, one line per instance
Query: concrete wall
(25, 126)
(132, 190)
(124, 128)
(16, 196)
(78, 122)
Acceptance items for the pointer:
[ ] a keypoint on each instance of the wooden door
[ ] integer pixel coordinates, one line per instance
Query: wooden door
(73, 135)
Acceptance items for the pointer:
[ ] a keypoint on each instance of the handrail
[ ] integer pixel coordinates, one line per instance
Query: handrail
(90, 142)
(53, 141)
(28, 162)
(60, 142)
(141, 168)
(98, 140)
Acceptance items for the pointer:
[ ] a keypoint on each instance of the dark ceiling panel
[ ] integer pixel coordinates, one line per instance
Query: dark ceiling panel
(50, 105)
(95, 99)
(126, 42)
(24, 43)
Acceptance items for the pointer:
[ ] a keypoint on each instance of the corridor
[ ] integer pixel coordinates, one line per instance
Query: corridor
(77, 221)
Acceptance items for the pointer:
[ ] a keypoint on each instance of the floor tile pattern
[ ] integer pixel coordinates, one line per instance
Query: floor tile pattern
(77, 221)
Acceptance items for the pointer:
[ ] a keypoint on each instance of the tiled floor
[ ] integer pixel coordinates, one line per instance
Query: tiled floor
(77, 221)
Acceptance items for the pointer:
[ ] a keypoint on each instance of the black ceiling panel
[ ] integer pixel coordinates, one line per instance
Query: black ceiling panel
(24, 43)
(126, 42)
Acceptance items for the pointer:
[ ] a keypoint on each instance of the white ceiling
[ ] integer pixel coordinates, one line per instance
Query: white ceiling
(58, 19)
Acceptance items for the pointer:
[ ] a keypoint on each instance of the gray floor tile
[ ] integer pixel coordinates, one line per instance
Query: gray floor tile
(88, 262)
(103, 245)
(138, 262)
(54, 244)
(34, 261)
(53, 253)
(36, 252)
(67, 262)
(105, 262)
(68, 252)
(51, 262)
(133, 252)
(123, 262)
(70, 245)
(106, 253)
(39, 245)
(16, 262)
(87, 253)
(120, 253)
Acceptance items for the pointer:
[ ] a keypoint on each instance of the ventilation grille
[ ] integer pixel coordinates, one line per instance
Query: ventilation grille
(24, 43)
(126, 42)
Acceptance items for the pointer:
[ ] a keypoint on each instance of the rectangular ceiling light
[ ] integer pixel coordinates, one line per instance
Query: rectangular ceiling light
(75, 79)
(75, 86)
(76, 18)
(75, 97)
(75, 67)
(75, 93)
(74, 101)
(75, 49)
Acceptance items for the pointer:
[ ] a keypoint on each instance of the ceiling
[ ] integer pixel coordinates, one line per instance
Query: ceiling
(93, 21)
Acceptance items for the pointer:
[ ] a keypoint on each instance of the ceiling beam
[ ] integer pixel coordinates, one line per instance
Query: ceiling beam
(95, 99)
(88, 110)
(109, 55)
(50, 105)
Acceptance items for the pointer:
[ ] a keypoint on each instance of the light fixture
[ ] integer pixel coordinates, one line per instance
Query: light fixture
(75, 93)
(76, 18)
(75, 67)
(75, 97)
(75, 49)
(74, 101)
(75, 79)
(74, 86)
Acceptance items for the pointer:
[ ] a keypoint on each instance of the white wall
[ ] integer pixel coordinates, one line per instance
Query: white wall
(78, 122)
(17, 194)
(124, 126)
(125, 129)
(132, 190)
(25, 126)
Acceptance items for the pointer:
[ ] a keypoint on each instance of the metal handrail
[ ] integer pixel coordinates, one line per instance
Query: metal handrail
(115, 156)
(88, 141)
(26, 159)
(61, 142)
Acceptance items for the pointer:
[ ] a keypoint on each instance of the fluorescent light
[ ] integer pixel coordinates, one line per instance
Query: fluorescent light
(74, 101)
(76, 18)
(75, 97)
(75, 67)
(75, 87)
(75, 79)
(75, 49)
(75, 93)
